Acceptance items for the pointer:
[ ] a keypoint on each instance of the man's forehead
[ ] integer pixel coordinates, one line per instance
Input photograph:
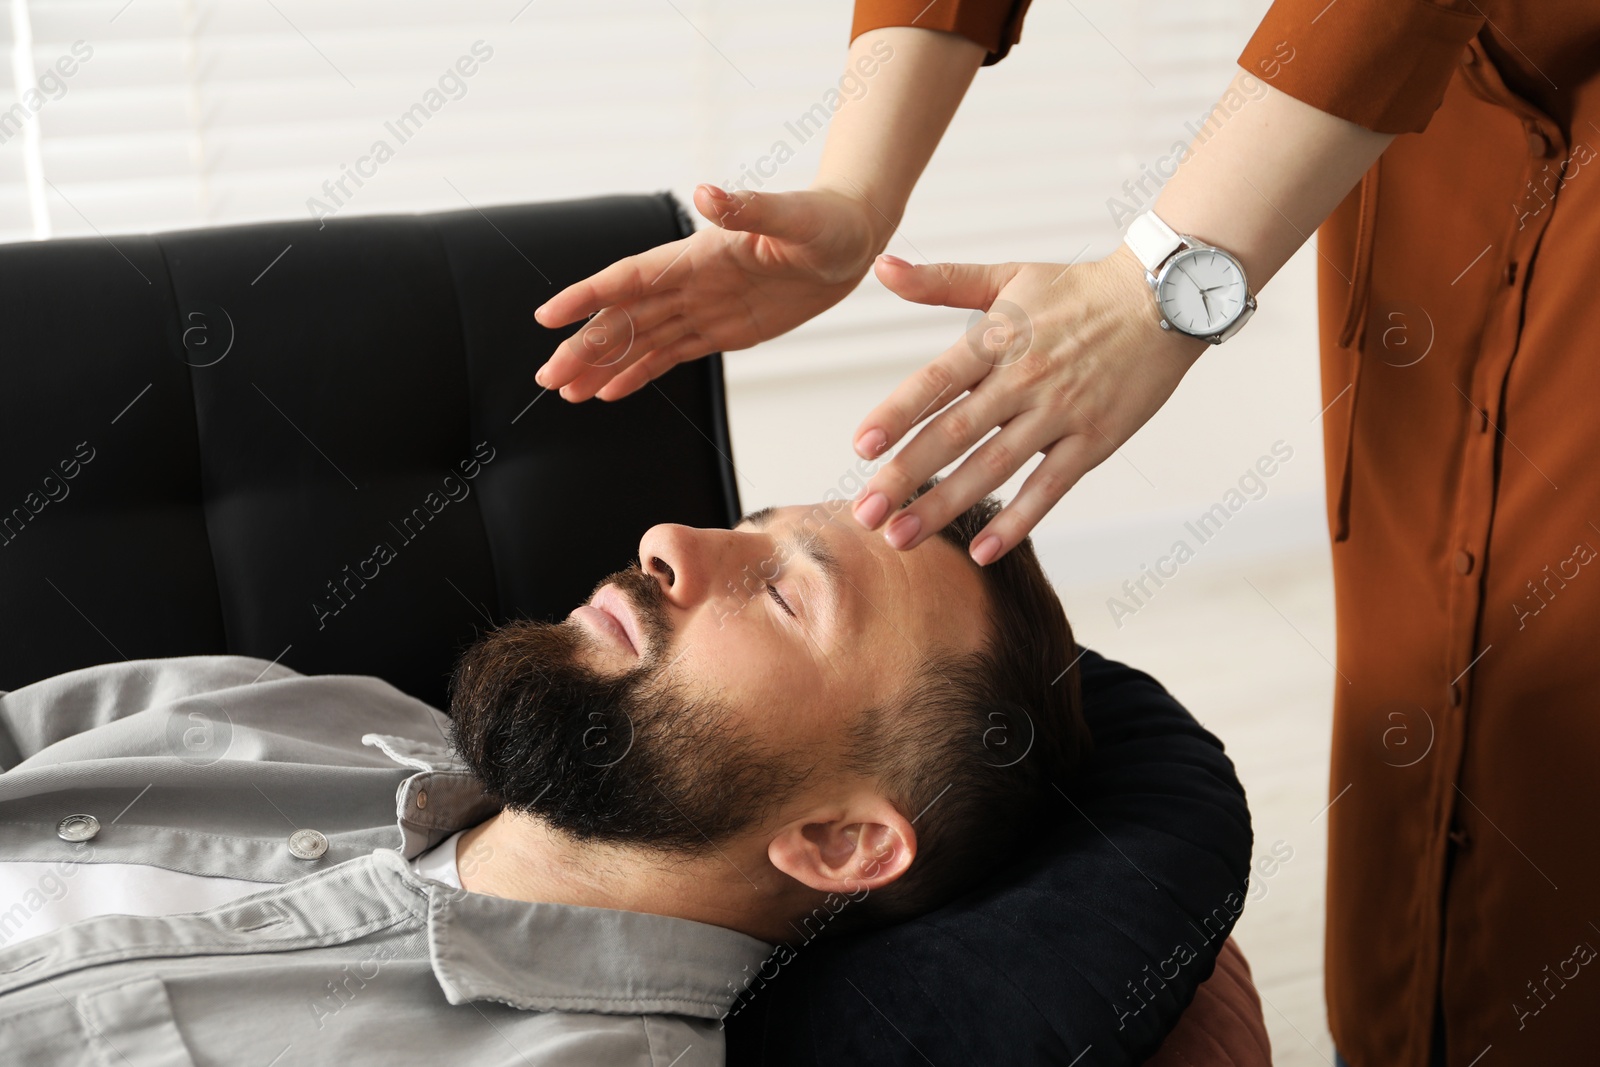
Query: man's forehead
(803, 515)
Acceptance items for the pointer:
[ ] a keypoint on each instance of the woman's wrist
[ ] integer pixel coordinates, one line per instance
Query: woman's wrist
(1129, 283)
(879, 212)
(907, 83)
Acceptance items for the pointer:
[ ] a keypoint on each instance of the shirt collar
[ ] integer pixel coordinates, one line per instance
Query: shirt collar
(442, 797)
(549, 957)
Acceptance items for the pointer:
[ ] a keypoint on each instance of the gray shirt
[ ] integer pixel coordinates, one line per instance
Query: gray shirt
(209, 765)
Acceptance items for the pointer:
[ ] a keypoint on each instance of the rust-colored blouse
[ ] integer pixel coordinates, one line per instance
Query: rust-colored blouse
(995, 25)
(1459, 326)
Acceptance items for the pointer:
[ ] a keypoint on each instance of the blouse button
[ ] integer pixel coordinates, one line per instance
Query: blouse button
(307, 844)
(77, 828)
(1463, 562)
(1538, 143)
(422, 798)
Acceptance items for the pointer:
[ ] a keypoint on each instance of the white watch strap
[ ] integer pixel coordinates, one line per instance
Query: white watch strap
(1151, 240)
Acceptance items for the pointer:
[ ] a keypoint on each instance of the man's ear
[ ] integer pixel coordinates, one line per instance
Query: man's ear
(862, 844)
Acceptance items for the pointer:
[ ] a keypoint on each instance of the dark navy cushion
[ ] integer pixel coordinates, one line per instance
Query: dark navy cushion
(1091, 946)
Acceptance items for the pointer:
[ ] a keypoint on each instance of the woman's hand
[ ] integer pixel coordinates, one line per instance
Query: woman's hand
(772, 261)
(1068, 361)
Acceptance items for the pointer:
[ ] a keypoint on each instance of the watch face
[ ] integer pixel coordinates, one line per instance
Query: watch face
(1201, 291)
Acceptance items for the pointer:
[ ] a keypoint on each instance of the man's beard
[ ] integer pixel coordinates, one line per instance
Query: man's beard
(632, 759)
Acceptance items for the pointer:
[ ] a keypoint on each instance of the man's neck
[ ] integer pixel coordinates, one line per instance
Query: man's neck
(519, 857)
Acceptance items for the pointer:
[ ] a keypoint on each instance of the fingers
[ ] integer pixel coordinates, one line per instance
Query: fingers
(602, 341)
(624, 280)
(1064, 463)
(608, 338)
(961, 285)
(981, 473)
(618, 360)
(781, 215)
(938, 444)
(925, 392)
(654, 365)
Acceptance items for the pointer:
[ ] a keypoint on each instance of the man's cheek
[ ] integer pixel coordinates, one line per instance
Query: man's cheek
(752, 670)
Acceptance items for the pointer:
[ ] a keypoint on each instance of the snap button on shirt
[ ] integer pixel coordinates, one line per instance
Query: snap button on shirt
(307, 844)
(77, 828)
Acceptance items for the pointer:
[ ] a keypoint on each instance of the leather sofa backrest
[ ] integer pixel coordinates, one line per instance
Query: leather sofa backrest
(323, 444)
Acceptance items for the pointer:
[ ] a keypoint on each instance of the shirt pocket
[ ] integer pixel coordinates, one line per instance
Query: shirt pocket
(126, 1025)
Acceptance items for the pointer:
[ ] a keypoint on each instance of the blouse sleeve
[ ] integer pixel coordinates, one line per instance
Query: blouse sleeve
(995, 24)
(1382, 64)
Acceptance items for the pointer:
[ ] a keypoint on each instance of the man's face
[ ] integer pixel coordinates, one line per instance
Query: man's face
(697, 695)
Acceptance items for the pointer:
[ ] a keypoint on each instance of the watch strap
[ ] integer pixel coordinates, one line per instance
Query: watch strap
(1151, 240)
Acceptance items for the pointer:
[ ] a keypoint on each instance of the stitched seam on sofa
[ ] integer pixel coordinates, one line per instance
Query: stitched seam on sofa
(1228, 1003)
(432, 223)
(199, 452)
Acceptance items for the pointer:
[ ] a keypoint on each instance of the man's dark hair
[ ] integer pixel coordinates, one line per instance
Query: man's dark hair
(972, 749)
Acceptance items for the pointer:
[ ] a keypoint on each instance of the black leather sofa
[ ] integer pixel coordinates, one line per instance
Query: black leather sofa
(324, 445)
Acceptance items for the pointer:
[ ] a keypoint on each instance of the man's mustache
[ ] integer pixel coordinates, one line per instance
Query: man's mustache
(648, 602)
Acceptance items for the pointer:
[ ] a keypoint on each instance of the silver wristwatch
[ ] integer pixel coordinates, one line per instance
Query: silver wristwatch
(1200, 289)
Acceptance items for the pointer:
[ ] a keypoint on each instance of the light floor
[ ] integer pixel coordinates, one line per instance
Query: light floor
(1247, 647)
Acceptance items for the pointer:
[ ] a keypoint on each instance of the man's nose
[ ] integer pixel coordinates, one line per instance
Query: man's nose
(691, 565)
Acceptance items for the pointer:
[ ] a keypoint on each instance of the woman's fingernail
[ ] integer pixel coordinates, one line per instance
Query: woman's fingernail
(902, 530)
(717, 194)
(872, 443)
(894, 261)
(985, 549)
(871, 510)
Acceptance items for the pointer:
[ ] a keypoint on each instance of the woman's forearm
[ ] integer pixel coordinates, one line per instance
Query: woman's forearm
(1260, 178)
(883, 135)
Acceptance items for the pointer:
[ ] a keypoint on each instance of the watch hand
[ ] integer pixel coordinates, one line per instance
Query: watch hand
(1207, 304)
